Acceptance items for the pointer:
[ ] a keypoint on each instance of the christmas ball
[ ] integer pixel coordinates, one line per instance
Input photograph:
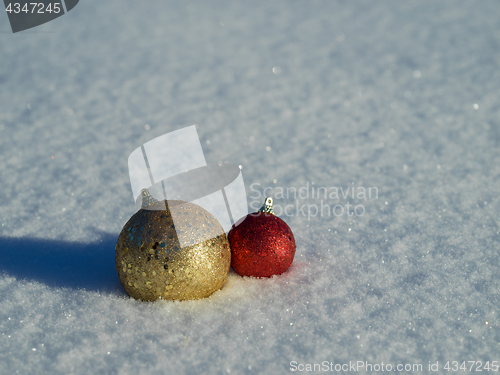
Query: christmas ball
(159, 257)
(262, 245)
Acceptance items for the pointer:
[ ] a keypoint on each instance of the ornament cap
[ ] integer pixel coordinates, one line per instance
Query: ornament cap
(147, 198)
(268, 206)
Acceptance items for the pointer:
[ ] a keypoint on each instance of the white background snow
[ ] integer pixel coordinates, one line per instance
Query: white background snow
(402, 96)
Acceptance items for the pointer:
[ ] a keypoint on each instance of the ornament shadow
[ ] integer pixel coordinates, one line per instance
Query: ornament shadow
(62, 264)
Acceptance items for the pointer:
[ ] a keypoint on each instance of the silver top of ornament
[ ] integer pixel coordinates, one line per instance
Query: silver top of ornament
(268, 206)
(147, 198)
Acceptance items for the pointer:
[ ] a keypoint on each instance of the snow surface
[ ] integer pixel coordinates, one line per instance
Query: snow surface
(401, 96)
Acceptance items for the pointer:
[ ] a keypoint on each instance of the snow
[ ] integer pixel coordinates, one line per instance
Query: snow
(398, 96)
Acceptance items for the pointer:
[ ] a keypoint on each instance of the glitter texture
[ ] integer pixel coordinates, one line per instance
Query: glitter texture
(152, 264)
(262, 245)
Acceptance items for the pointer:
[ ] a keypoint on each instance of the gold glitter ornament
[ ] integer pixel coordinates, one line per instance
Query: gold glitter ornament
(157, 259)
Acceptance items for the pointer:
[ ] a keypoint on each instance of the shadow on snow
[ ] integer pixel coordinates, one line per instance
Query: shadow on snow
(62, 264)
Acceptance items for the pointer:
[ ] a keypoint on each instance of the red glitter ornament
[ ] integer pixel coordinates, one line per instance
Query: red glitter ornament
(262, 245)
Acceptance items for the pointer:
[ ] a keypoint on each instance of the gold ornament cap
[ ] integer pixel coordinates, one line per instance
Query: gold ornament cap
(147, 198)
(267, 207)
